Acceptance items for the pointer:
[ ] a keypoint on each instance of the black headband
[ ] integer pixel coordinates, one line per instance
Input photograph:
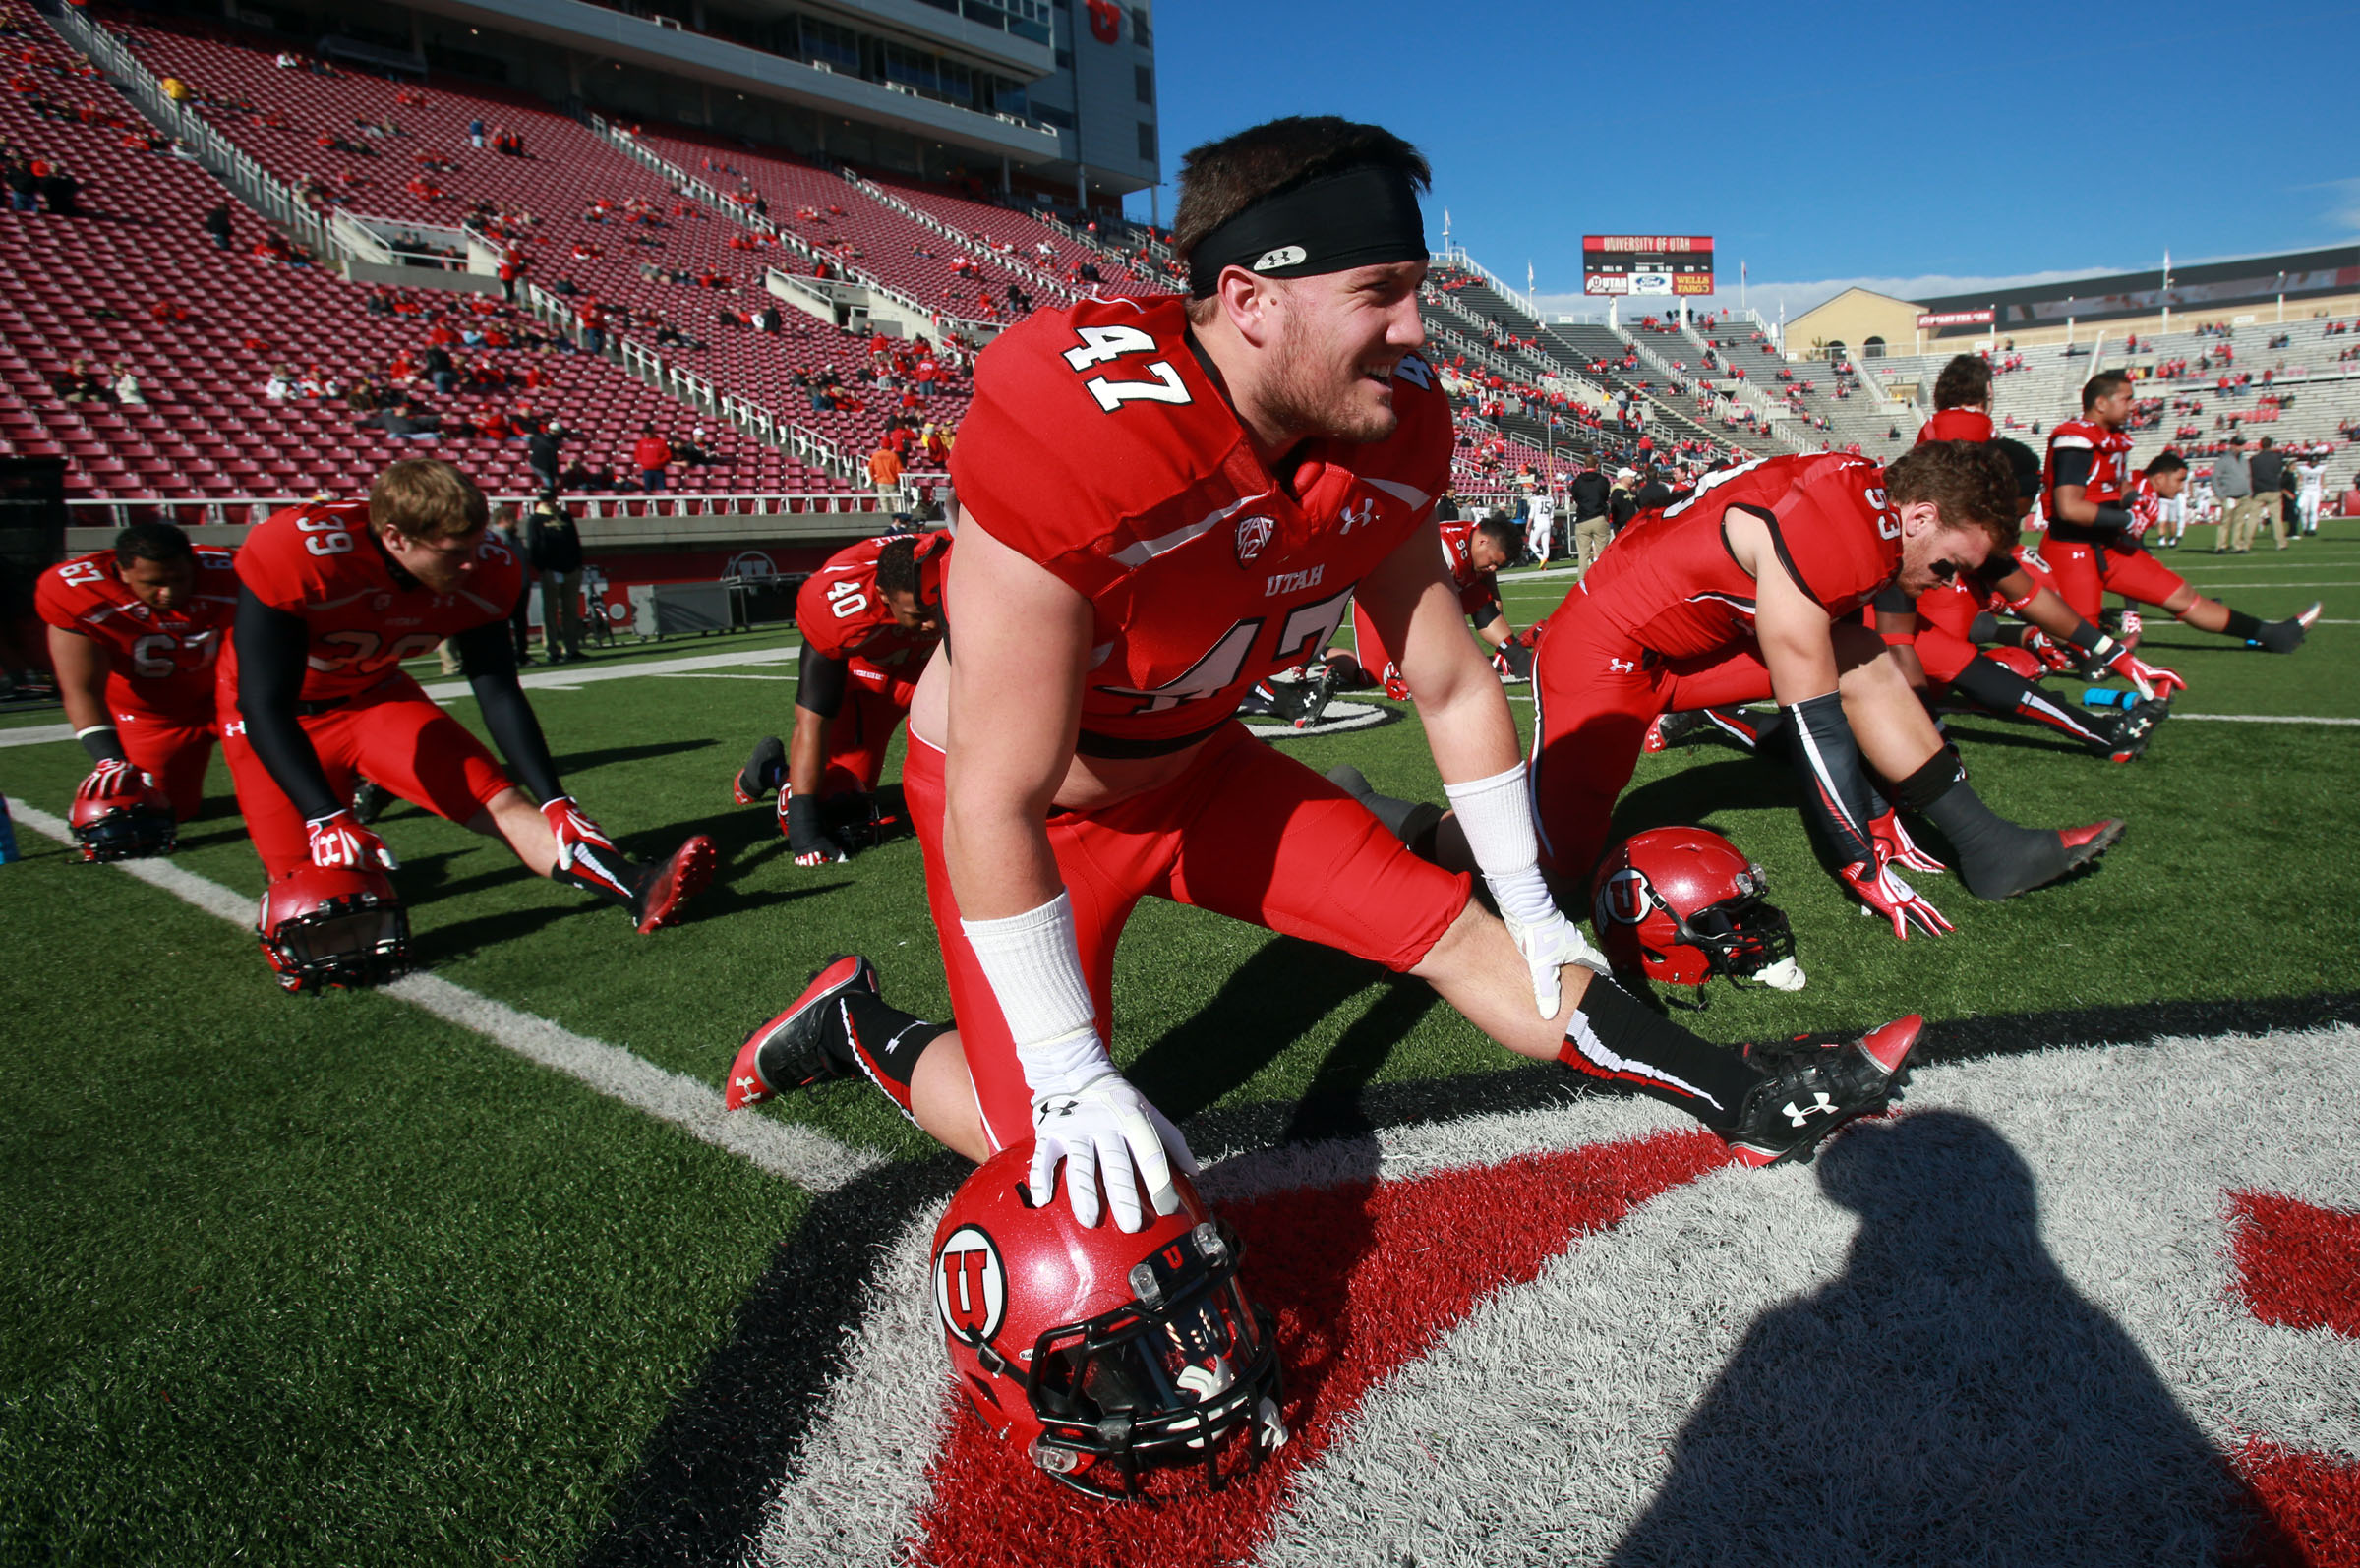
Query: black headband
(1363, 216)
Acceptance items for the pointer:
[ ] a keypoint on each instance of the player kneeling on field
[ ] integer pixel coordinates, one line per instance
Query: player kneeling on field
(1255, 455)
(134, 633)
(870, 619)
(332, 598)
(1102, 1352)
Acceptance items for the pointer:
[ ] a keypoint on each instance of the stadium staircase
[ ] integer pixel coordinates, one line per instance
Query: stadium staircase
(1861, 418)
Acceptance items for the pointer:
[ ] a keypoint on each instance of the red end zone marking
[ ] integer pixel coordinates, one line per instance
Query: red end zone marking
(2296, 1261)
(2312, 1500)
(1363, 1279)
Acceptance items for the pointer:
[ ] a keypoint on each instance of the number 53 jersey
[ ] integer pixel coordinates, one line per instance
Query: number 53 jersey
(318, 561)
(1098, 445)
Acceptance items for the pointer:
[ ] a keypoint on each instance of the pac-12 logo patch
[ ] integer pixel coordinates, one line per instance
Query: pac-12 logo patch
(970, 1286)
(1253, 537)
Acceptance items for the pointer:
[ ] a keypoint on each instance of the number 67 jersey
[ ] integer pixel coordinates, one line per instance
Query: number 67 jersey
(1098, 445)
(318, 561)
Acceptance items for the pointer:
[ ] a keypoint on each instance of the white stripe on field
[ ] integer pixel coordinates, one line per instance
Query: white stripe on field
(35, 734)
(2267, 718)
(572, 677)
(804, 1156)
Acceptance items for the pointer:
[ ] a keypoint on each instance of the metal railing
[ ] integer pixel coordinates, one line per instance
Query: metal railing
(247, 179)
(966, 242)
(1458, 257)
(241, 511)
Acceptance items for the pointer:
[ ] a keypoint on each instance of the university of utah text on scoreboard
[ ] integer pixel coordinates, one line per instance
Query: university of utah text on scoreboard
(1647, 264)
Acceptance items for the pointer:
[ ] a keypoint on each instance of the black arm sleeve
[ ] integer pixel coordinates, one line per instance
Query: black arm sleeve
(2072, 464)
(1835, 792)
(272, 648)
(489, 661)
(820, 682)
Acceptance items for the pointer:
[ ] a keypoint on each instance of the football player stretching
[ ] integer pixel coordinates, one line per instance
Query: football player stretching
(332, 598)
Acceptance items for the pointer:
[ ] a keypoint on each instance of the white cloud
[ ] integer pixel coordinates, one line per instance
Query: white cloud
(2343, 203)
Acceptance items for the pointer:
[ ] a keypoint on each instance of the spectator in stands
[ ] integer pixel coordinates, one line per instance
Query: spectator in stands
(440, 369)
(651, 454)
(475, 132)
(540, 453)
(61, 192)
(216, 224)
(554, 546)
(126, 385)
(280, 386)
(24, 189)
(885, 473)
(176, 89)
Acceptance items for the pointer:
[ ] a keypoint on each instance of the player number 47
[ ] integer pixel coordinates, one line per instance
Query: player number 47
(1099, 344)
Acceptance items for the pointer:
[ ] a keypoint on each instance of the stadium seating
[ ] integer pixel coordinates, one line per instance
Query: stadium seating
(1861, 418)
(85, 288)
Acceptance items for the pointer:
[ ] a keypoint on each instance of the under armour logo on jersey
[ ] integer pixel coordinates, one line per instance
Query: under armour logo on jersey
(1622, 666)
(1354, 516)
(1799, 1115)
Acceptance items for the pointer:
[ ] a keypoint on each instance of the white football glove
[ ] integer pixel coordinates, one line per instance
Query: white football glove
(1547, 945)
(1101, 1130)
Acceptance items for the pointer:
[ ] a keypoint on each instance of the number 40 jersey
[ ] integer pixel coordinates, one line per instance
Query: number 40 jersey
(318, 561)
(1099, 447)
(842, 614)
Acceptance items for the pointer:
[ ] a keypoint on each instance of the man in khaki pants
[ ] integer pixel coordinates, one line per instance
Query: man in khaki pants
(2234, 488)
(2267, 468)
(1589, 495)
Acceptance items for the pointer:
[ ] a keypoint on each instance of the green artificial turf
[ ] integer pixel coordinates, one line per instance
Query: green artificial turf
(327, 1280)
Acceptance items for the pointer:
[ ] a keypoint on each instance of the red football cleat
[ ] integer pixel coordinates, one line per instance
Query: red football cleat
(682, 877)
(791, 1051)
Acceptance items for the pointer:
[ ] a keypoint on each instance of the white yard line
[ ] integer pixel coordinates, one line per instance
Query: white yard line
(35, 734)
(2263, 718)
(572, 677)
(804, 1156)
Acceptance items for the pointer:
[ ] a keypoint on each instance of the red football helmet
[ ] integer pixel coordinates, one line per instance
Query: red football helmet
(932, 555)
(127, 820)
(1102, 1351)
(1682, 904)
(344, 928)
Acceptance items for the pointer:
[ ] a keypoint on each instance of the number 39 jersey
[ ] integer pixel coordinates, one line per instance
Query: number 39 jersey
(318, 561)
(842, 614)
(1098, 445)
(1672, 585)
(159, 661)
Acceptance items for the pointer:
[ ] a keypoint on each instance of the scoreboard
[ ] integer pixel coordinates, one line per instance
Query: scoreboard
(1647, 264)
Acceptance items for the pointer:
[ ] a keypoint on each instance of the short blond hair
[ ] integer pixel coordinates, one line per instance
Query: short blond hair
(425, 497)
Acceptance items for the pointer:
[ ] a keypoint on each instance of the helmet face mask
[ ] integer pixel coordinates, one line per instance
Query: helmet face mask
(124, 833)
(341, 930)
(1680, 905)
(1104, 1355)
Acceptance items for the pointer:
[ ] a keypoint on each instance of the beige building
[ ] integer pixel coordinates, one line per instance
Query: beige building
(1862, 321)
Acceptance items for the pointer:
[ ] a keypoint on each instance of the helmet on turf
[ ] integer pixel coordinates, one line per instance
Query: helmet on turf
(1101, 1352)
(129, 820)
(1682, 904)
(340, 928)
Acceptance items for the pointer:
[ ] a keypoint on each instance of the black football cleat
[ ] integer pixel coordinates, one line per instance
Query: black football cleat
(765, 773)
(667, 886)
(2136, 727)
(2285, 636)
(792, 1051)
(369, 799)
(1811, 1090)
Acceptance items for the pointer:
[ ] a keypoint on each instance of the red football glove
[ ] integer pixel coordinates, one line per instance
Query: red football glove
(112, 777)
(338, 843)
(1894, 846)
(2152, 680)
(2039, 644)
(1881, 890)
(583, 848)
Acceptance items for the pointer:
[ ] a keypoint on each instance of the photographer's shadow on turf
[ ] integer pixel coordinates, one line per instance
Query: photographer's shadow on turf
(1951, 1397)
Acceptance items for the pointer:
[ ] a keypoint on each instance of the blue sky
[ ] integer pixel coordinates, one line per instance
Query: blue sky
(1916, 150)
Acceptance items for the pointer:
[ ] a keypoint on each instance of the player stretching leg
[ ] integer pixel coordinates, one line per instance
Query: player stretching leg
(870, 619)
(332, 598)
(2096, 519)
(1247, 460)
(134, 633)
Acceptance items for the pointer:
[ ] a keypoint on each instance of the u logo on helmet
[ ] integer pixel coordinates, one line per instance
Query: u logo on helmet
(1625, 898)
(970, 1285)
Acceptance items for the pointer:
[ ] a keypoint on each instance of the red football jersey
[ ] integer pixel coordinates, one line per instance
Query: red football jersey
(320, 560)
(1955, 425)
(2109, 463)
(1099, 446)
(1478, 591)
(160, 662)
(1670, 584)
(840, 612)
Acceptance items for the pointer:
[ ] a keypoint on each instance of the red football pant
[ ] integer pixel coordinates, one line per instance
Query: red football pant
(1367, 646)
(2082, 574)
(173, 749)
(874, 705)
(1246, 832)
(1594, 693)
(394, 736)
